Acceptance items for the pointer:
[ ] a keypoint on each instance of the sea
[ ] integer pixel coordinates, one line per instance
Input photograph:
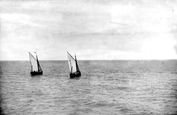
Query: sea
(113, 87)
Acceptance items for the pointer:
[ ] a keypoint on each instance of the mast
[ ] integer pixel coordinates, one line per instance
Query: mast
(70, 67)
(37, 61)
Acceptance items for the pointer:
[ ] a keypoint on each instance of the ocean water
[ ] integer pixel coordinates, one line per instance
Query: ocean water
(105, 88)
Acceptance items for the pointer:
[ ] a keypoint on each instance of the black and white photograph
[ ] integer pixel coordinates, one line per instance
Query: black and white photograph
(88, 57)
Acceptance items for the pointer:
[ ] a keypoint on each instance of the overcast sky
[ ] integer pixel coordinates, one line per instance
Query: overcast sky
(91, 29)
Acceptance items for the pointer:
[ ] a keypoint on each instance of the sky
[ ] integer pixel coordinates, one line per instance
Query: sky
(90, 29)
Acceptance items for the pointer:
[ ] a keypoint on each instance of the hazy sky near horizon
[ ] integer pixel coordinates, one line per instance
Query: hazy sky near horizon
(91, 29)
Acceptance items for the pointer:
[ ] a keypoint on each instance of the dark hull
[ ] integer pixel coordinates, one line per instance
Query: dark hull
(36, 73)
(75, 75)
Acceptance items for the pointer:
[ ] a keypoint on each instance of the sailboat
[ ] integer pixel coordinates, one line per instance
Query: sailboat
(35, 66)
(73, 67)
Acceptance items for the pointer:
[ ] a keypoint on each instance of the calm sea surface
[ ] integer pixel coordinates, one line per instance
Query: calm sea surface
(105, 88)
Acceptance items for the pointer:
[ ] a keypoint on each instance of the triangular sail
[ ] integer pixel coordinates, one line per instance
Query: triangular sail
(77, 67)
(39, 67)
(33, 62)
(72, 63)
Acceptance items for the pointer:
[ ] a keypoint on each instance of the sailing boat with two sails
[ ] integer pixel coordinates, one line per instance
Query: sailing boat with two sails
(73, 67)
(35, 66)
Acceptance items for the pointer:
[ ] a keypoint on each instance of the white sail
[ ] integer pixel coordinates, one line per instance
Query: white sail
(72, 63)
(33, 62)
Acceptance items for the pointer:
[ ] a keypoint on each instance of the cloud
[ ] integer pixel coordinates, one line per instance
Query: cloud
(91, 28)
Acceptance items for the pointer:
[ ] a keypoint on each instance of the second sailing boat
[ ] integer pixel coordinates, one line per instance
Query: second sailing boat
(73, 66)
(35, 66)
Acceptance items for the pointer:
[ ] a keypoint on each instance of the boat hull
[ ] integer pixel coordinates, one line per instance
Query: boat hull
(75, 74)
(33, 73)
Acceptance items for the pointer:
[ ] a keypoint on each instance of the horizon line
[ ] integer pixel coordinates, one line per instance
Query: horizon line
(101, 60)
